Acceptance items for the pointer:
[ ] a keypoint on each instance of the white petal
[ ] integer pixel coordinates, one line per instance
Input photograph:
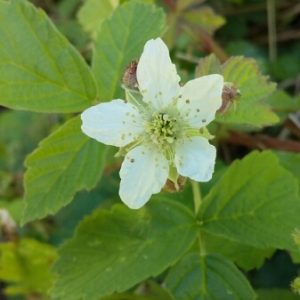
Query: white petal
(201, 98)
(157, 76)
(144, 172)
(195, 158)
(113, 123)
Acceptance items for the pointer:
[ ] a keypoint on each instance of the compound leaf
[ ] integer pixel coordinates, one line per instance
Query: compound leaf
(113, 251)
(256, 203)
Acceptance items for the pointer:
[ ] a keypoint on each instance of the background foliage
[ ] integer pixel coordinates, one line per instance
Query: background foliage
(73, 238)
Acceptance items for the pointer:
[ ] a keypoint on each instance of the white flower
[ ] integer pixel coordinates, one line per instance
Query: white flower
(162, 132)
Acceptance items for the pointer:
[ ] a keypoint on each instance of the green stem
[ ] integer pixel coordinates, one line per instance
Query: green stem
(197, 195)
(197, 203)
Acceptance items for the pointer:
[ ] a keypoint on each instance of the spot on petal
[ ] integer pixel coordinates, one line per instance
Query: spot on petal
(203, 120)
(132, 160)
(187, 101)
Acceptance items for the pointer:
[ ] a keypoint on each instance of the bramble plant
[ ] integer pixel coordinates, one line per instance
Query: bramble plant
(190, 226)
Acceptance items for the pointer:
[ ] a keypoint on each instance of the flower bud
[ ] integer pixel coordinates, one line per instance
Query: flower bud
(171, 187)
(230, 94)
(129, 79)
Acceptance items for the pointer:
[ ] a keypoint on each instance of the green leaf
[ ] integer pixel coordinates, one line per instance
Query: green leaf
(281, 101)
(26, 264)
(291, 162)
(41, 70)
(155, 291)
(272, 294)
(20, 132)
(66, 8)
(256, 203)
(207, 277)
(253, 86)
(65, 162)
(209, 65)
(192, 17)
(120, 39)
(244, 256)
(113, 251)
(205, 19)
(150, 291)
(94, 12)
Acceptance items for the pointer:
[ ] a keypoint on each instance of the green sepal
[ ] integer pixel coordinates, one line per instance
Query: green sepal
(203, 132)
(134, 97)
(173, 176)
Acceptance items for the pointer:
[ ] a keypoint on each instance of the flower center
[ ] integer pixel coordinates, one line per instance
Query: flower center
(162, 128)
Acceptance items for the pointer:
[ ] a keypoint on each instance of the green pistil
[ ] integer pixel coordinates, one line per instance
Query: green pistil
(162, 128)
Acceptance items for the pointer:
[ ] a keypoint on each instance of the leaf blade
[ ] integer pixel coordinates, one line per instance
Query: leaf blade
(260, 209)
(65, 162)
(207, 277)
(43, 71)
(138, 243)
(93, 13)
(121, 39)
(254, 88)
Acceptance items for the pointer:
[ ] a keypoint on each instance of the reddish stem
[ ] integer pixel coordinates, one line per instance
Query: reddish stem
(262, 142)
(170, 4)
